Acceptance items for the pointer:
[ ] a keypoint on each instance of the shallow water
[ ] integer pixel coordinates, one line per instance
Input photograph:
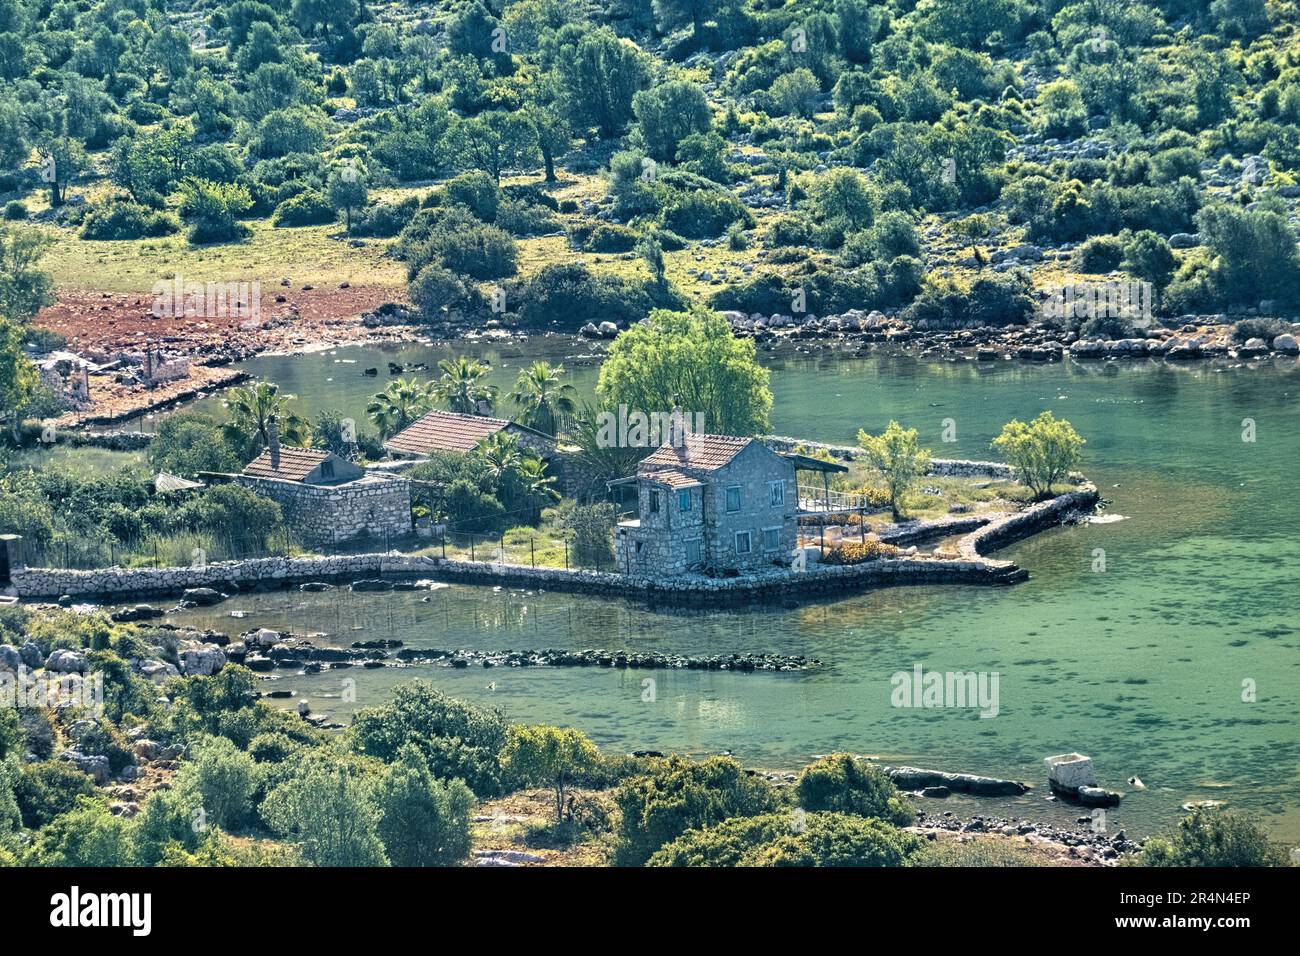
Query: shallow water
(1141, 665)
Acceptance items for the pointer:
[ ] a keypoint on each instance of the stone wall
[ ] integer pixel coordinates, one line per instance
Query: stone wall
(121, 584)
(942, 467)
(373, 506)
(972, 567)
(1003, 531)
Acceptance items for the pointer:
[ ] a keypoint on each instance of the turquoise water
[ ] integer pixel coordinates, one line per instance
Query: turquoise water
(1141, 665)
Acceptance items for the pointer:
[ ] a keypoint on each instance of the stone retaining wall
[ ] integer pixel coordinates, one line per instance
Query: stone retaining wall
(1002, 531)
(120, 584)
(972, 567)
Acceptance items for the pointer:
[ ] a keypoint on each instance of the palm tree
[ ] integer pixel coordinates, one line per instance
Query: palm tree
(253, 409)
(545, 402)
(536, 486)
(462, 387)
(401, 403)
(602, 460)
(501, 452)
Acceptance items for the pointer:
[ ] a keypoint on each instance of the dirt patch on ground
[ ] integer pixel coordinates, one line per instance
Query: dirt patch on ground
(520, 830)
(111, 322)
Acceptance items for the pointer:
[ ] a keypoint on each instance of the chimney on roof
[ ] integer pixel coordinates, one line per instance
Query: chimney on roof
(273, 443)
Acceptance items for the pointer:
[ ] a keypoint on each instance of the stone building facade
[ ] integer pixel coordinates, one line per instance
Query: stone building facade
(710, 502)
(327, 499)
(373, 506)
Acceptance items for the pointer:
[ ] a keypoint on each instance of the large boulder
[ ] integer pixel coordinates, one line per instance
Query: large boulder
(95, 765)
(10, 658)
(155, 670)
(200, 659)
(1286, 344)
(264, 637)
(66, 662)
(32, 654)
(203, 597)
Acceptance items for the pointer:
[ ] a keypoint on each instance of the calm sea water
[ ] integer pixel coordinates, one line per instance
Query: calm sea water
(1146, 666)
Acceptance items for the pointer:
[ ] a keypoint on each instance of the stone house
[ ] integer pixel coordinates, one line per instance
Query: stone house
(327, 499)
(709, 501)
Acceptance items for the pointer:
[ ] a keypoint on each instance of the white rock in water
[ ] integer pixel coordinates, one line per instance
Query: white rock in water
(1070, 771)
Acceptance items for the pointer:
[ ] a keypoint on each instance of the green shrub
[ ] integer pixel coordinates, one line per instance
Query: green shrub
(1259, 328)
(123, 219)
(49, 788)
(611, 237)
(704, 213)
(682, 795)
(456, 738)
(422, 821)
(842, 784)
(1099, 254)
(1213, 836)
(569, 295)
(790, 838)
(221, 779)
(307, 208)
(15, 210)
(478, 192)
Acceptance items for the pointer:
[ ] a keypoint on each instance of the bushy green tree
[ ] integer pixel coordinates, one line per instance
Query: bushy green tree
(554, 757)
(682, 795)
(843, 784)
(897, 454)
(457, 739)
(329, 811)
(1213, 836)
(668, 113)
(1042, 452)
(791, 838)
(691, 360)
(422, 821)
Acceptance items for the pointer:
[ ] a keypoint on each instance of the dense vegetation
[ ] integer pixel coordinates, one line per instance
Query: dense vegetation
(200, 771)
(845, 153)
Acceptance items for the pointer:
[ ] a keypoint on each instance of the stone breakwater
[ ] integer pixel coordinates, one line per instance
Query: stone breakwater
(970, 567)
(268, 650)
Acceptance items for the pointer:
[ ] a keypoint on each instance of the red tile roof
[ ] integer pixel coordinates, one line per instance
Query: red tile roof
(696, 453)
(444, 431)
(672, 478)
(295, 464)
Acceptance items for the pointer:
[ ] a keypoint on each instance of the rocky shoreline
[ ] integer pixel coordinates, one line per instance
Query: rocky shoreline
(264, 650)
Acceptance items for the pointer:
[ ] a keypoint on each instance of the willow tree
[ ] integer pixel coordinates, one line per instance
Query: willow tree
(691, 360)
(897, 454)
(1043, 451)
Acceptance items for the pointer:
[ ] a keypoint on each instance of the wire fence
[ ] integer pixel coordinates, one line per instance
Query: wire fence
(529, 548)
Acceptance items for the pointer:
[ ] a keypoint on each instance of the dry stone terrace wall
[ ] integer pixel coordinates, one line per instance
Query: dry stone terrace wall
(372, 506)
